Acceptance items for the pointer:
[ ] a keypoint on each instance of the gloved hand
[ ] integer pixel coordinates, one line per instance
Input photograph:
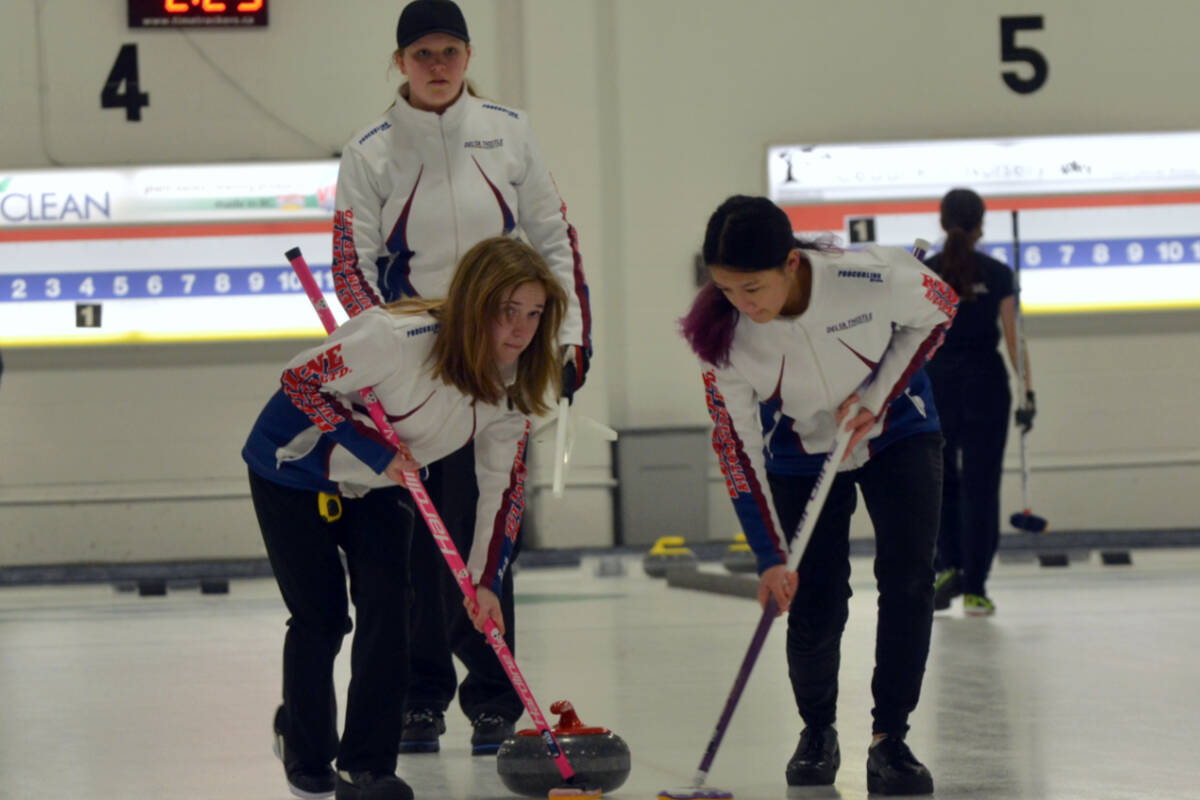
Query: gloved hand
(1026, 412)
(575, 366)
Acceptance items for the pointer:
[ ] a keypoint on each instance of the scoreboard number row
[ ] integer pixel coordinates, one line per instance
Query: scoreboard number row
(172, 284)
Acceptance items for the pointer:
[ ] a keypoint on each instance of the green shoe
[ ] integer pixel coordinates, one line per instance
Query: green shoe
(977, 605)
(946, 586)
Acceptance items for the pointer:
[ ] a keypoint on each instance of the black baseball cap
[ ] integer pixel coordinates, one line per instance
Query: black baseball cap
(422, 17)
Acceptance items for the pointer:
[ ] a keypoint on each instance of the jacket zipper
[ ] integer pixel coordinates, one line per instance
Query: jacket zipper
(450, 187)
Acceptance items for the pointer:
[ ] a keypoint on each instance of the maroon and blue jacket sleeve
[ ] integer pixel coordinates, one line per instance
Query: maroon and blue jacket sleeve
(737, 441)
(356, 356)
(500, 473)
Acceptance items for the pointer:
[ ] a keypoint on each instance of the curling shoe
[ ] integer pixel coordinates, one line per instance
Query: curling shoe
(421, 731)
(490, 732)
(304, 780)
(371, 786)
(978, 605)
(893, 769)
(946, 586)
(817, 758)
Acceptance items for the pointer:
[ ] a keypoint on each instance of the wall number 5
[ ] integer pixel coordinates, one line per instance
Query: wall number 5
(1009, 52)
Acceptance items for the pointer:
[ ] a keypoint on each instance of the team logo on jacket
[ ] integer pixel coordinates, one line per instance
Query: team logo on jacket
(328, 366)
(940, 294)
(847, 324)
(871, 275)
(297, 385)
(382, 127)
(502, 109)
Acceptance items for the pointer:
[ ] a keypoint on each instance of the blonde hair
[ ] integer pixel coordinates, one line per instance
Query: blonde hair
(463, 354)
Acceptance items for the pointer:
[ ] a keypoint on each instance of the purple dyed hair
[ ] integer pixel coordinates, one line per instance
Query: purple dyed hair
(708, 325)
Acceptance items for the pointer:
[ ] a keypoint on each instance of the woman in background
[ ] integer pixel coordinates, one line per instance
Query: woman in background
(970, 387)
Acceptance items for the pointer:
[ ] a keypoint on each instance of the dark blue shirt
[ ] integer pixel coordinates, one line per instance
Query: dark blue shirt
(975, 329)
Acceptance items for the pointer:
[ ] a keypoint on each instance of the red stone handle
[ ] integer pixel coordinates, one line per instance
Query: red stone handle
(568, 722)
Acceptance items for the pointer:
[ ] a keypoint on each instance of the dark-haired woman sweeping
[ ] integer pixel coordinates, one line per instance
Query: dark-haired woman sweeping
(788, 332)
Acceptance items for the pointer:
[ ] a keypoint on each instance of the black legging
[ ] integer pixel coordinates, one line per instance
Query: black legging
(303, 549)
(439, 625)
(973, 401)
(902, 487)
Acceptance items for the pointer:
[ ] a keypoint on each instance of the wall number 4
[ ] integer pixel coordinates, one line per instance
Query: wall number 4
(124, 72)
(1009, 52)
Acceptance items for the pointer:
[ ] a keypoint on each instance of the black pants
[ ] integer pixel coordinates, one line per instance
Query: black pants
(439, 626)
(902, 487)
(303, 549)
(973, 401)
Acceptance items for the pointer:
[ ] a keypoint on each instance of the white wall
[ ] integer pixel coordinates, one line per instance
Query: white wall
(650, 112)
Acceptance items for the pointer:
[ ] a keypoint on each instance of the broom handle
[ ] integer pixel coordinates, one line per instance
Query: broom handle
(436, 527)
(1020, 365)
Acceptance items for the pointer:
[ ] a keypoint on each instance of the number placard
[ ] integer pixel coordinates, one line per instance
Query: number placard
(862, 230)
(1011, 53)
(124, 73)
(87, 315)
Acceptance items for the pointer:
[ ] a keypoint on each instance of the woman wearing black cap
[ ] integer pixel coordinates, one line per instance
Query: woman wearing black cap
(440, 170)
(970, 386)
(792, 335)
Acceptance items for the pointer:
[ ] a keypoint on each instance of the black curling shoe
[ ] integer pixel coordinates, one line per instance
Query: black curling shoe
(371, 786)
(304, 780)
(817, 758)
(490, 731)
(421, 731)
(893, 769)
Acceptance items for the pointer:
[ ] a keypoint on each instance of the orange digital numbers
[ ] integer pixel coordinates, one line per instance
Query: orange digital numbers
(140, 10)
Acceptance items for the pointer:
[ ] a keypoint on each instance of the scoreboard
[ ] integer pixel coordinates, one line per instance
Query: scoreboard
(104, 256)
(1106, 222)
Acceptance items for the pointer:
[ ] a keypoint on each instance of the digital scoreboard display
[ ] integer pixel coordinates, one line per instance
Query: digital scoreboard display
(1107, 222)
(158, 254)
(197, 13)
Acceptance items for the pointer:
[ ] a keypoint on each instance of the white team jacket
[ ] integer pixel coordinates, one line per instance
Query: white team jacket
(876, 312)
(316, 434)
(416, 190)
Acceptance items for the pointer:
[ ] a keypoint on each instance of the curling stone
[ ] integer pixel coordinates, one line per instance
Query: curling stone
(599, 757)
(739, 557)
(667, 553)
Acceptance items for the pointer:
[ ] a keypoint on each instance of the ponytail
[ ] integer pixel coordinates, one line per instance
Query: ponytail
(962, 213)
(958, 263)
